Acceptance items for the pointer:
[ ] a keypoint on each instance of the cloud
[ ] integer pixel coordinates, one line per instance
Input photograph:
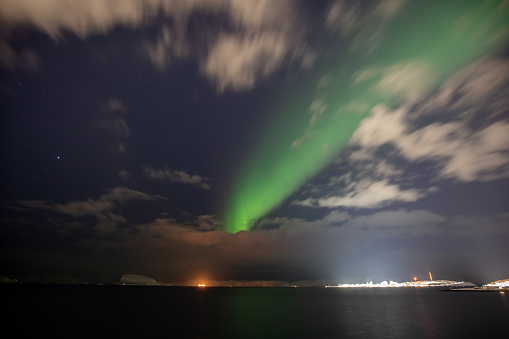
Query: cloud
(170, 45)
(238, 62)
(341, 244)
(206, 222)
(466, 142)
(409, 80)
(363, 179)
(113, 105)
(381, 127)
(125, 175)
(456, 131)
(483, 156)
(200, 231)
(316, 110)
(80, 17)
(399, 223)
(366, 194)
(25, 59)
(102, 209)
(388, 8)
(361, 22)
(481, 226)
(110, 119)
(344, 234)
(480, 85)
(341, 17)
(105, 203)
(458, 151)
(338, 241)
(263, 40)
(339, 228)
(262, 13)
(260, 39)
(176, 176)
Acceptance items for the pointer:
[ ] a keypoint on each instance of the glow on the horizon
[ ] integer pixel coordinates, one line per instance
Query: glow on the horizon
(201, 285)
(415, 51)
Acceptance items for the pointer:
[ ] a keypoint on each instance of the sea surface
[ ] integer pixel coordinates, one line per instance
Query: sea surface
(87, 311)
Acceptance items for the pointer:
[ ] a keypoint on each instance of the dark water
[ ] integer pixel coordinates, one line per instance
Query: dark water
(70, 311)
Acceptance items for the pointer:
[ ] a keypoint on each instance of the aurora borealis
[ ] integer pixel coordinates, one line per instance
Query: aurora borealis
(217, 140)
(413, 51)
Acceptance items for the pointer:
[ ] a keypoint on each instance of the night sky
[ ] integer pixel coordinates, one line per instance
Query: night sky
(244, 139)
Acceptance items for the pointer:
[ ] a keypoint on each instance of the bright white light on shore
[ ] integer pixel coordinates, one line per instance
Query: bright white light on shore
(371, 284)
(499, 283)
(430, 283)
(201, 285)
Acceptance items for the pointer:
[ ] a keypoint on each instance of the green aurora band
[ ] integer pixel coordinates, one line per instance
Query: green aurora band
(388, 61)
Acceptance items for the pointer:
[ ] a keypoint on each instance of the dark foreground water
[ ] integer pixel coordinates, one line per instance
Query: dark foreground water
(71, 311)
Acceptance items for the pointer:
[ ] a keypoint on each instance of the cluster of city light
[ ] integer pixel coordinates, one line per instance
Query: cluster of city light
(371, 284)
(498, 284)
(426, 283)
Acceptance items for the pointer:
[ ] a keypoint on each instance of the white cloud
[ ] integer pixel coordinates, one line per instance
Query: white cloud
(81, 17)
(98, 16)
(458, 151)
(262, 35)
(456, 148)
(367, 194)
(237, 62)
(261, 13)
(264, 38)
(410, 80)
(477, 86)
(381, 127)
(484, 155)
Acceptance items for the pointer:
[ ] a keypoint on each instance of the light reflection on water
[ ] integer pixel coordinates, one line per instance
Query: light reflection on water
(424, 315)
(505, 302)
(117, 311)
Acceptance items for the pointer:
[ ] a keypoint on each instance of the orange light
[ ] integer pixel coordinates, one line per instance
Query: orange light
(201, 285)
(415, 279)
